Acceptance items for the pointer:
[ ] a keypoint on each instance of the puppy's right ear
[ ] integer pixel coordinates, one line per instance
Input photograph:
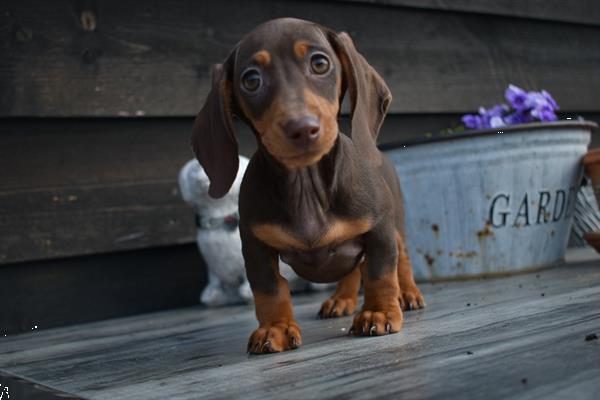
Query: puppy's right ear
(213, 140)
(370, 97)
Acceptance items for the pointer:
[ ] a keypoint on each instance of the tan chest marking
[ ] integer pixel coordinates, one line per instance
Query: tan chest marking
(339, 231)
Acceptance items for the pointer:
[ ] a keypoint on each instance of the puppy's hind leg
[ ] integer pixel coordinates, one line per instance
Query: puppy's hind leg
(410, 296)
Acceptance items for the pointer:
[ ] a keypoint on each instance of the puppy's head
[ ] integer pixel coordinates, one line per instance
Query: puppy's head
(286, 79)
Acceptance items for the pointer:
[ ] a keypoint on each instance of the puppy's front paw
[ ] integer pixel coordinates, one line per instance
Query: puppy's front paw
(377, 322)
(411, 299)
(338, 306)
(275, 338)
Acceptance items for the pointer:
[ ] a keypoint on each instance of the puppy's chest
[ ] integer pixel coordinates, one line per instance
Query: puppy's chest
(311, 233)
(306, 218)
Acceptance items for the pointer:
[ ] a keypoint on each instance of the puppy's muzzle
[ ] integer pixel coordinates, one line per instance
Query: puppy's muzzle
(302, 131)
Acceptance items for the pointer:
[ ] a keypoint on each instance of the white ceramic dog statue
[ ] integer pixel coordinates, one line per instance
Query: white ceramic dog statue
(218, 239)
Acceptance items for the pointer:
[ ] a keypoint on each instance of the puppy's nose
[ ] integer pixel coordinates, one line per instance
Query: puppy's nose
(302, 131)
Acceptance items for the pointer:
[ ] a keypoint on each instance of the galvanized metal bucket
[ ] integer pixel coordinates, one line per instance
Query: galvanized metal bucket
(491, 201)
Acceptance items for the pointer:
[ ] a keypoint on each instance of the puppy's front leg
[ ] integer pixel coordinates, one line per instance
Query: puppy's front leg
(277, 330)
(381, 313)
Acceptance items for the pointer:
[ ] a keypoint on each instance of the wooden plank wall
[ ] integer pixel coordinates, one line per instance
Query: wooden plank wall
(65, 291)
(97, 98)
(123, 58)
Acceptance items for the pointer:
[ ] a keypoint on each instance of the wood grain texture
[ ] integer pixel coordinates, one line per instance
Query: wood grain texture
(80, 187)
(574, 11)
(20, 388)
(476, 339)
(66, 221)
(84, 186)
(151, 59)
(74, 290)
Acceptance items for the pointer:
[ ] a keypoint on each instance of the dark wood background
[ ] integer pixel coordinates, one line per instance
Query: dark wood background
(153, 59)
(98, 97)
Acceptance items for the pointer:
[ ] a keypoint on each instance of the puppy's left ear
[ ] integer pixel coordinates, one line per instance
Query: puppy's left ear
(213, 140)
(370, 97)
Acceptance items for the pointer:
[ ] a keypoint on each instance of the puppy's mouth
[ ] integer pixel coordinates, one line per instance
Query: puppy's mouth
(310, 151)
(305, 157)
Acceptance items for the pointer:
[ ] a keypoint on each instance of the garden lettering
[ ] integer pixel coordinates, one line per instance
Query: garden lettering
(534, 208)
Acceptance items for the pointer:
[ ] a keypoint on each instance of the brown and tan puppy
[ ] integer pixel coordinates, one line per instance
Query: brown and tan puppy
(328, 204)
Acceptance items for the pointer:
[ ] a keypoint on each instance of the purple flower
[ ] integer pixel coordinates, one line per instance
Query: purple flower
(535, 100)
(497, 110)
(472, 121)
(496, 122)
(544, 113)
(518, 117)
(492, 117)
(525, 107)
(550, 100)
(516, 96)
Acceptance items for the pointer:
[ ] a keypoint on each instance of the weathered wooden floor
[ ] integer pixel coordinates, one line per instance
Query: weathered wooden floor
(516, 337)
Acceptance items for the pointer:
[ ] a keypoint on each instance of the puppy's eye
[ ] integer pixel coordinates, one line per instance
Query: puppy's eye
(319, 63)
(251, 80)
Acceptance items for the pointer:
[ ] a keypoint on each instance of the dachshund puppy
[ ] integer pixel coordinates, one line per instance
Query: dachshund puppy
(327, 203)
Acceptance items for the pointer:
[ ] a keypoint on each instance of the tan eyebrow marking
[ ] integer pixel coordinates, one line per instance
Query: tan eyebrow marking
(262, 57)
(300, 49)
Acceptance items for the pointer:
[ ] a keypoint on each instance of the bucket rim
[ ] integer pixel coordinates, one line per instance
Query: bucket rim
(489, 132)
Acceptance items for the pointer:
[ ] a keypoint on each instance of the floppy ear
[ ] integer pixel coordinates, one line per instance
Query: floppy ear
(370, 97)
(213, 140)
